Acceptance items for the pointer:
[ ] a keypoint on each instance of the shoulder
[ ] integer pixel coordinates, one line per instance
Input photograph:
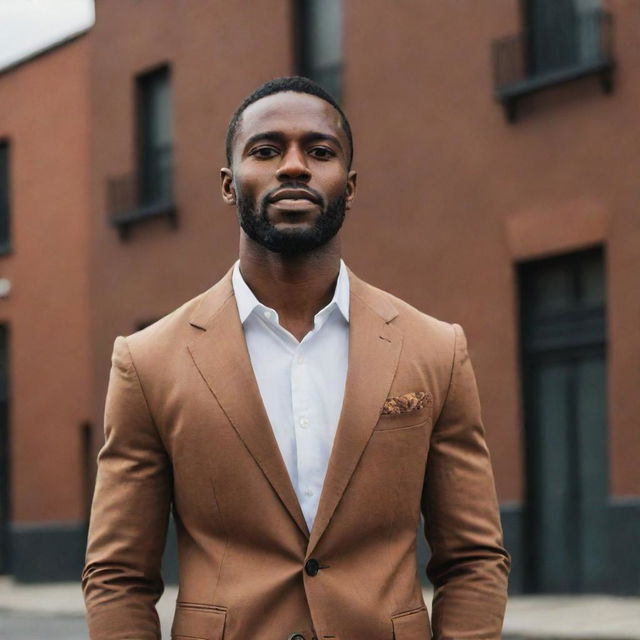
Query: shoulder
(430, 346)
(414, 323)
(171, 333)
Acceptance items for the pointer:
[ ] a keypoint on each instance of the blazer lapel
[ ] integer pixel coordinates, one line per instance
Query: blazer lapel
(374, 351)
(221, 356)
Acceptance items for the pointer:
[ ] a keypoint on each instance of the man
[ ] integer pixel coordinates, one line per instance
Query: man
(298, 420)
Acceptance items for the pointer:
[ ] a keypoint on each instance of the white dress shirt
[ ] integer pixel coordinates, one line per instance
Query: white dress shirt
(301, 383)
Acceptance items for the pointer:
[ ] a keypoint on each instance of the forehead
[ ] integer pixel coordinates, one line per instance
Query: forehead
(290, 113)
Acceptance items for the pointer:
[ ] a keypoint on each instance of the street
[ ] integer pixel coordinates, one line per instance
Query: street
(25, 626)
(55, 612)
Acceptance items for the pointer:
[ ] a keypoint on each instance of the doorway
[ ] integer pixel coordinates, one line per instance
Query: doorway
(563, 332)
(4, 450)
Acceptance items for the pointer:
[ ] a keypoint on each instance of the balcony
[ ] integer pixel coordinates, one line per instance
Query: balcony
(136, 198)
(537, 59)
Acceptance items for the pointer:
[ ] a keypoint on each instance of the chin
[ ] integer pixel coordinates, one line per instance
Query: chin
(293, 228)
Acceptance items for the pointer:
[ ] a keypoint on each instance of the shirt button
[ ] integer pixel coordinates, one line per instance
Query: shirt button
(308, 492)
(300, 360)
(304, 422)
(267, 314)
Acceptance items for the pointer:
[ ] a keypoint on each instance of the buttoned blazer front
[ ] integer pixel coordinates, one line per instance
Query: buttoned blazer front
(186, 429)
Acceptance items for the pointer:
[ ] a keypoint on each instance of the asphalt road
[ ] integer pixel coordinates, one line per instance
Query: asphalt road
(23, 626)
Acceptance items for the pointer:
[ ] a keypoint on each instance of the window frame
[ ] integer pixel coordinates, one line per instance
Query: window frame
(5, 197)
(146, 173)
(304, 64)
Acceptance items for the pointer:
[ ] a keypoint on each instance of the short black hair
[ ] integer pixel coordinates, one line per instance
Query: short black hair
(297, 84)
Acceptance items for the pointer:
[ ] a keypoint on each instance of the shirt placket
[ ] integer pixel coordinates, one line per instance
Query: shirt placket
(308, 430)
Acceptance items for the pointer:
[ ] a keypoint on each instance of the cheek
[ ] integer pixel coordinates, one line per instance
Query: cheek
(333, 182)
(250, 184)
(244, 190)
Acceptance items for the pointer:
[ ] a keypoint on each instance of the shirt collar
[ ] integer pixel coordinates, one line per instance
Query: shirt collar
(247, 301)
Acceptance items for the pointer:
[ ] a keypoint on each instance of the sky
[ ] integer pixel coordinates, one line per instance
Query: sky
(27, 26)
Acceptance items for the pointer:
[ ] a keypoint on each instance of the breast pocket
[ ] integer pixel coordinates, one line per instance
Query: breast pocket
(406, 420)
(194, 621)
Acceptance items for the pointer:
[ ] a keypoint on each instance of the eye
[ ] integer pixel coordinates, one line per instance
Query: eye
(264, 152)
(322, 153)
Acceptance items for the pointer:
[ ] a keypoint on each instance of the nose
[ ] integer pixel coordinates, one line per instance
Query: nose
(293, 166)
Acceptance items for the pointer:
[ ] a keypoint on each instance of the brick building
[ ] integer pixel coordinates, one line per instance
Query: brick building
(45, 393)
(497, 188)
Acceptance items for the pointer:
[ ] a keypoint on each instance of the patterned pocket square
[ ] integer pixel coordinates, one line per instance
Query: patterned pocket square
(407, 403)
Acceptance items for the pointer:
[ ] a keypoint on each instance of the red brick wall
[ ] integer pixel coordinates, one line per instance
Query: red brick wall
(451, 197)
(218, 53)
(44, 114)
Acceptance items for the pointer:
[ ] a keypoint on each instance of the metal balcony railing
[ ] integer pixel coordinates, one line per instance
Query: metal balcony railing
(534, 60)
(136, 197)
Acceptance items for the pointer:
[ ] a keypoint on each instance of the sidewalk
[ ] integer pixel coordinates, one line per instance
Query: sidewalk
(528, 617)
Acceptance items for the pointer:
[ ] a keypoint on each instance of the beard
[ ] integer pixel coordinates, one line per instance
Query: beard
(256, 224)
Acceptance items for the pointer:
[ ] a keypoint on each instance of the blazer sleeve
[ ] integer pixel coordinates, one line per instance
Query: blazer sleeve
(121, 580)
(469, 565)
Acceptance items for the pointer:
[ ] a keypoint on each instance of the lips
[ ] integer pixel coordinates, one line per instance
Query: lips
(294, 195)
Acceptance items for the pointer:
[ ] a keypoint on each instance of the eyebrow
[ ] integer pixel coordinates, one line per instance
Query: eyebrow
(279, 137)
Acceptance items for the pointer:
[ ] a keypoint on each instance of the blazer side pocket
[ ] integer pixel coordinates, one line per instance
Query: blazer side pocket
(194, 621)
(412, 625)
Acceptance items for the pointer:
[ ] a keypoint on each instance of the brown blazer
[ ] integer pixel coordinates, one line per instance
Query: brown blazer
(185, 426)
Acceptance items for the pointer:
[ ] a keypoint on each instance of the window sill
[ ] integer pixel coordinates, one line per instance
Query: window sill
(509, 94)
(124, 221)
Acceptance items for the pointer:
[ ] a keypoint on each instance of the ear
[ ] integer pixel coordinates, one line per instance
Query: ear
(227, 188)
(352, 180)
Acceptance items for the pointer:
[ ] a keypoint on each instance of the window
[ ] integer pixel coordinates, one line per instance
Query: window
(562, 40)
(563, 33)
(147, 193)
(5, 240)
(319, 37)
(155, 137)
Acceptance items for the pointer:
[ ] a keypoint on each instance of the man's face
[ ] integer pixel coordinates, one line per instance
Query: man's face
(290, 178)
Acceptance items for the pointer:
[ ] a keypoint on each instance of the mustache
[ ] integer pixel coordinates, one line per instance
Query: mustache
(293, 185)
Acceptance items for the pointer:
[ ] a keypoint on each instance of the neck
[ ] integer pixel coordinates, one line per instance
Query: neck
(297, 287)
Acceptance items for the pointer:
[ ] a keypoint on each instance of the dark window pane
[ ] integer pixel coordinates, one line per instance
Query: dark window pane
(589, 31)
(591, 419)
(562, 33)
(592, 283)
(320, 38)
(559, 285)
(4, 196)
(550, 471)
(156, 137)
(552, 289)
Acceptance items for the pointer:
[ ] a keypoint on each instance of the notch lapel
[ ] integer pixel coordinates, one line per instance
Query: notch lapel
(374, 352)
(220, 354)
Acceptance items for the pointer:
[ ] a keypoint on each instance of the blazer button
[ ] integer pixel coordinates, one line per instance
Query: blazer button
(312, 567)
(296, 636)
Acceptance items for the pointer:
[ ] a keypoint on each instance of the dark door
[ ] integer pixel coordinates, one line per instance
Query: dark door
(564, 379)
(4, 450)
